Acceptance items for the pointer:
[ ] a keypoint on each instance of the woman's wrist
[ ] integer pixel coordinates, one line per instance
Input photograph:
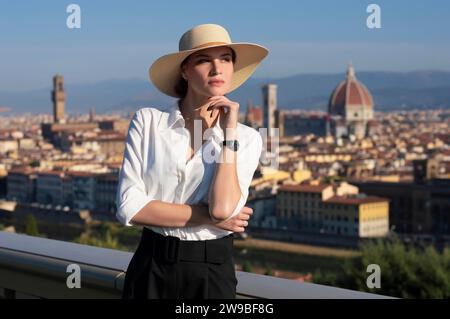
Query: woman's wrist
(230, 133)
(231, 122)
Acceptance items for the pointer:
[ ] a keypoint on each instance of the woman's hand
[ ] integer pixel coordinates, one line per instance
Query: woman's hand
(229, 111)
(237, 223)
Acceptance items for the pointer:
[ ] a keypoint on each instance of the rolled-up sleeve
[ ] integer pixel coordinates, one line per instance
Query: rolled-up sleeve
(246, 168)
(131, 194)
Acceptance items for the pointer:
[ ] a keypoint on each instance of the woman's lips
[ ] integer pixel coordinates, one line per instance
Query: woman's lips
(215, 83)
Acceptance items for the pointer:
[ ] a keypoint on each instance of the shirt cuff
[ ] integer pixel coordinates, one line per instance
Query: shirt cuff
(131, 208)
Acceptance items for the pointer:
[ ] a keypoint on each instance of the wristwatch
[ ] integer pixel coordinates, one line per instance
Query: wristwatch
(231, 144)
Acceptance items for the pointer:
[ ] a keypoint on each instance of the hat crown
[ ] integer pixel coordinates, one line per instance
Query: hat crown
(203, 35)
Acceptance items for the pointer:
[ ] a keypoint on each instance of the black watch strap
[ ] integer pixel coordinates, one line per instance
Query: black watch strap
(231, 144)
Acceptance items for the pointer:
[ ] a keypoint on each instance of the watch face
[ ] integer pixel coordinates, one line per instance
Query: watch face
(234, 144)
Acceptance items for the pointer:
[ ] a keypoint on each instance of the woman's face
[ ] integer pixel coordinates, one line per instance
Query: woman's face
(208, 65)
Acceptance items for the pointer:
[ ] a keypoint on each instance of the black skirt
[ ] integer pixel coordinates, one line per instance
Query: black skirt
(165, 267)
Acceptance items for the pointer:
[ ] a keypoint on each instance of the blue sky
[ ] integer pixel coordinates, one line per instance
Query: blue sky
(120, 39)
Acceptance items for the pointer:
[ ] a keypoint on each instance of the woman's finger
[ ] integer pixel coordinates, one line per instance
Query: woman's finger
(240, 229)
(218, 99)
(247, 210)
(215, 97)
(243, 216)
(218, 106)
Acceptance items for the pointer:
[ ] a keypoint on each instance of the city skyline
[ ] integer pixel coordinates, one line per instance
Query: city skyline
(117, 42)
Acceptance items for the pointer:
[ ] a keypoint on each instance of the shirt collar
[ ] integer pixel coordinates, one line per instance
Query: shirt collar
(176, 117)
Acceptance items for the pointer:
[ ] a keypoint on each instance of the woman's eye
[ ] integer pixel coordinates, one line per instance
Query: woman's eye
(204, 60)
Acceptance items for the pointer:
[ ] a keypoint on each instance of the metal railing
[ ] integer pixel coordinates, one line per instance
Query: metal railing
(33, 267)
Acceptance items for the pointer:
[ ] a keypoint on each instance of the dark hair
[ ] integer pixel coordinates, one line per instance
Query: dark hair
(181, 87)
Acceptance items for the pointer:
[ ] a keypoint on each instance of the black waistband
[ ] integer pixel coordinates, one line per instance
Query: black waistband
(172, 249)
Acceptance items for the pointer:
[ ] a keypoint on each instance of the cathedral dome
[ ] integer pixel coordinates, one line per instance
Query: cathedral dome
(351, 99)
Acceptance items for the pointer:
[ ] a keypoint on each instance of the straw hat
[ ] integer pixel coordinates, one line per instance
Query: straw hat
(165, 72)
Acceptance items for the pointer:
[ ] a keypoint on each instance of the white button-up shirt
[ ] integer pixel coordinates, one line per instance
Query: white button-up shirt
(154, 167)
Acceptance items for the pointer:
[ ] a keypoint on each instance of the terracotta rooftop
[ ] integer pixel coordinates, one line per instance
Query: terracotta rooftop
(81, 174)
(355, 200)
(304, 188)
(50, 172)
(21, 170)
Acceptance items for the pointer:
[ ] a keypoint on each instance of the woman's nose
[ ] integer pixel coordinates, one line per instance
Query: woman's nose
(216, 67)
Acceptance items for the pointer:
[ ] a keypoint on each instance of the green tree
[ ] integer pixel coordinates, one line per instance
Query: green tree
(406, 272)
(31, 227)
(105, 240)
(269, 271)
(104, 229)
(108, 242)
(324, 278)
(247, 266)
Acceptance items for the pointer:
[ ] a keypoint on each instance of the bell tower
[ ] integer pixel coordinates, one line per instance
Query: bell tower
(58, 98)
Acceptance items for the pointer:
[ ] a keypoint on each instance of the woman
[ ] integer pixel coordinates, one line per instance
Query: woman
(186, 172)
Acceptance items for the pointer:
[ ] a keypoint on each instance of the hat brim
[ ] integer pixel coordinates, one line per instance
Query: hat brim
(165, 72)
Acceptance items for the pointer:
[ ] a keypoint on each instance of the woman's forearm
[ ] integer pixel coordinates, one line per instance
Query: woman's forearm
(164, 214)
(225, 191)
